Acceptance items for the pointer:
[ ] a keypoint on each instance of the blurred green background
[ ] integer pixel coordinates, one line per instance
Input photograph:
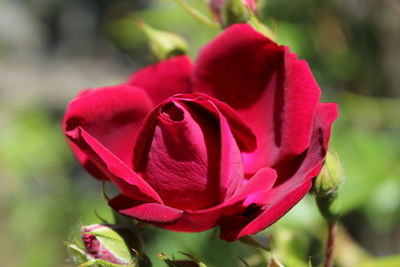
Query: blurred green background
(50, 50)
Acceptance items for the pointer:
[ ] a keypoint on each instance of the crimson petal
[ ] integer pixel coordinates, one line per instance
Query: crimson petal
(148, 212)
(274, 92)
(244, 136)
(130, 183)
(201, 220)
(112, 115)
(165, 78)
(282, 198)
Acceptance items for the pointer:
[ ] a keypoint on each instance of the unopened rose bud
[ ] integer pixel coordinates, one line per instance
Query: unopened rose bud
(110, 243)
(330, 177)
(326, 186)
(164, 44)
(229, 12)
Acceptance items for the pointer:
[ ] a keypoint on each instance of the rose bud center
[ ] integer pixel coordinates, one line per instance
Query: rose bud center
(182, 161)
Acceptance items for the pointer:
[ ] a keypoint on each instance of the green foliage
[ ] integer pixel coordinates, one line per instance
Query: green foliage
(393, 261)
(167, 16)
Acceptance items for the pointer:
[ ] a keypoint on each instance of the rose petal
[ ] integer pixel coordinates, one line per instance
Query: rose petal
(282, 198)
(182, 160)
(201, 220)
(231, 164)
(85, 161)
(274, 92)
(199, 112)
(148, 212)
(116, 170)
(112, 115)
(239, 225)
(244, 136)
(262, 181)
(164, 79)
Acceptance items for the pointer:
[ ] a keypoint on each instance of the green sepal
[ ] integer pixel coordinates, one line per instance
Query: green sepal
(103, 263)
(191, 262)
(236, 11)
(164, 44)
(274, 262)
(78, 254)
(196, 14)
(261, 28)
(256, 241)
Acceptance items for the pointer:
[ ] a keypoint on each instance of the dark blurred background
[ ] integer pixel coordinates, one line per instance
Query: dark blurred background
(51, 49)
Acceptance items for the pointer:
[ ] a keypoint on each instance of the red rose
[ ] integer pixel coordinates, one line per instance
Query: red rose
(233, 141)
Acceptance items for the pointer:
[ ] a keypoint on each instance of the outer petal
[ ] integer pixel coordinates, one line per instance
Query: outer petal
(188, 220)
(282, 198)
(112, 115)
(130, 183)
(101, 126)
(273, 91)
(85, 161)
(201, 220)
(149, 212)
(164, 79)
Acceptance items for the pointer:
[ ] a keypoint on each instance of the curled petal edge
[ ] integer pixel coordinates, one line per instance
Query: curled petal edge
(282, 198)
(192, 221)
(130, 183)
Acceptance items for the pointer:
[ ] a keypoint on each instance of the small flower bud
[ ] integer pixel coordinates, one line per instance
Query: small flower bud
(228, 12)
(164, 44)
(110, 243)
(326, 186)
(330, 177)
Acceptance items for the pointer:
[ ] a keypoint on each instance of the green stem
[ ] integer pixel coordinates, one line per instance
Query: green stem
(196, 14)
(330, 244)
